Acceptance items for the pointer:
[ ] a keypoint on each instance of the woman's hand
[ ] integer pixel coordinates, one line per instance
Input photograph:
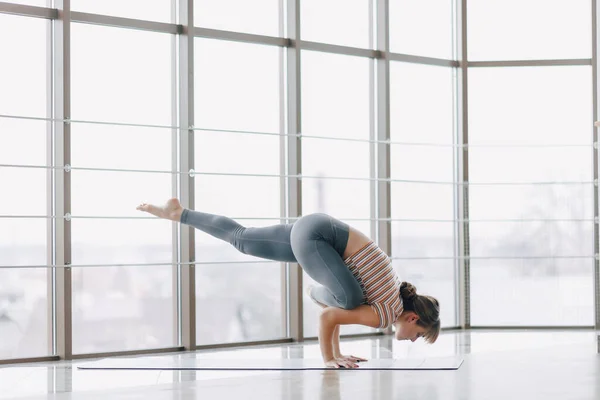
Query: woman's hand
(350, 358)
(340, 363)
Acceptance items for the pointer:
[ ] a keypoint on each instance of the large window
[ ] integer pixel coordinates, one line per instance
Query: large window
(422, 153)
(243, 301)
(335, 104)
(23, 80)
(115, 72)
(535, 266)
(120, 75)
(24, 316)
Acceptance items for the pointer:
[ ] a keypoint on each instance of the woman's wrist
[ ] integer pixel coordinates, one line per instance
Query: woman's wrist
(326, 329)
(335, 342)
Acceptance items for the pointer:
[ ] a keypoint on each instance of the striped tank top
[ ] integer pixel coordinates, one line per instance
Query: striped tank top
(379, 282)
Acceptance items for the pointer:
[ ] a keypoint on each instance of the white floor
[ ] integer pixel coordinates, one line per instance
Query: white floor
(497, 365)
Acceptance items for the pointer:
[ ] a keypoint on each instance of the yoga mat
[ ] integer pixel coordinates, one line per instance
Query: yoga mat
(172, 363)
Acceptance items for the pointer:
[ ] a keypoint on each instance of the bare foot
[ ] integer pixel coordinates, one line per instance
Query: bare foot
(308, 290)
(172, 210)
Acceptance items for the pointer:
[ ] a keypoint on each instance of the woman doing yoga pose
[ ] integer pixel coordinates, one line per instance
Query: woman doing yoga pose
(358, 283)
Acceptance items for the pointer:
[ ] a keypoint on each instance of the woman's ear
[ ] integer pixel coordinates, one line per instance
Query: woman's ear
(412, 317)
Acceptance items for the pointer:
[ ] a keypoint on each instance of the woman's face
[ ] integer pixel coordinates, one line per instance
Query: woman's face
(407, 329)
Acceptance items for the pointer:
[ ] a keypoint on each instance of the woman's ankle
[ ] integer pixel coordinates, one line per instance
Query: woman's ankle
(176, 215)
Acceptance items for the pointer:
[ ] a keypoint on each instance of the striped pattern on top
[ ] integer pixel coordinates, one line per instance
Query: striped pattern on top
(379, 282)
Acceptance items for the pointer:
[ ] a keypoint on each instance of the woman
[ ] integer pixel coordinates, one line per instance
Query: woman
(359, 285)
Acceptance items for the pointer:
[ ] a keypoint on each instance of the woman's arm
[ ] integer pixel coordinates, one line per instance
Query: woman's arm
(326, 329)
(335, 339)
(335, 342)
(329, 321)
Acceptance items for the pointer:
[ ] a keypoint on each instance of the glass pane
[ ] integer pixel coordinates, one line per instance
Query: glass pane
(109, 241)
(426, 239)
(238, 302)
(530, 201)
(336, 22)
(338, 198)
(110, 194)
(23, 292)
(526, 97)
(121, 147)
(532, 281)
(538, 292)
(121, 308)
(23, 84)
(137, 299)
(161, 10)
(416, 163)
(422, 239)
(23, 241)
(120, 75)
(258, 16)
(532, 239)
(540, 29)
(422, 201)
(335, 95)
(224, 152)
(416, 93)
(22, 142)
(336, 158)
(552, 164)
(238, 196)
(236, 86)
(24, 300)
(422, 28)
(433, 278)
(23, 73)
(32, 196)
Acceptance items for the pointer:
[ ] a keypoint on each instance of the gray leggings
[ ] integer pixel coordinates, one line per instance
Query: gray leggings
(315, 241)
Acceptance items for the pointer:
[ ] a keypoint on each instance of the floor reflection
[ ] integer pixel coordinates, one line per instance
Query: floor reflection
(550, 363)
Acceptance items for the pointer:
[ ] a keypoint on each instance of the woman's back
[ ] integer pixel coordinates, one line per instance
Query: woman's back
(373, 269)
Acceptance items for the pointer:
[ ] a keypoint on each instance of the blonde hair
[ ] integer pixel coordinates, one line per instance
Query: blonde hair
(427, 309)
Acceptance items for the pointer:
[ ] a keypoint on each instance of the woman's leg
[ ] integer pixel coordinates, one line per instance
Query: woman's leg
(272, 242)
(318, 242)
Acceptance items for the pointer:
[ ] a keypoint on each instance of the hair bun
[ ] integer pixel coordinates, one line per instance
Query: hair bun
(408, 291)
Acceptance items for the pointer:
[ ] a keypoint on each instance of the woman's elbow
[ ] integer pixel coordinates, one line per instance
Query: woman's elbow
(327, 315)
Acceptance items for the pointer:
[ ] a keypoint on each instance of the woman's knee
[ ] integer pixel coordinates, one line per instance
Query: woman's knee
(310, 226)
